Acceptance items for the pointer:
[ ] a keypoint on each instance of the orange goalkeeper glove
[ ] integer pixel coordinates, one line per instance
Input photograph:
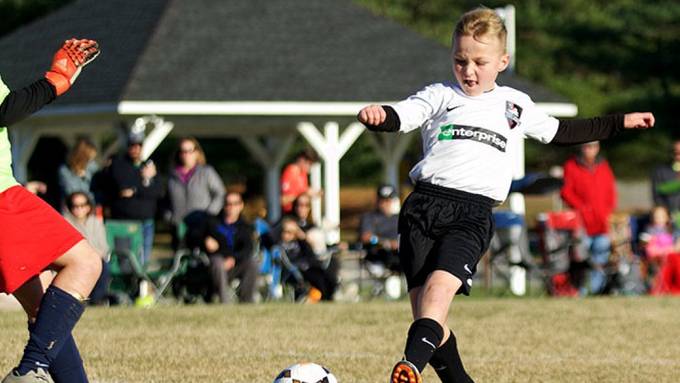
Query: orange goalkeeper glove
(68, 61)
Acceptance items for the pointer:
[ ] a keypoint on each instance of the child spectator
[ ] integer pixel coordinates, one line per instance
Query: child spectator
(303, 258)
(657, 238)
(661, 253)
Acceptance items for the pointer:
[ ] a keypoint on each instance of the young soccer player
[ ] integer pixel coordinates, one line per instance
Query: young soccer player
(470, 133)
(36, 241)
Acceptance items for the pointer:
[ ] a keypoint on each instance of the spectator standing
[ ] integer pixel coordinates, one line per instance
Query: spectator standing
(228, 241)
(195, 190)
(76, 174)
(666, 183)
(590, 189)
(136, 190)
(295, 180)
(80, 213)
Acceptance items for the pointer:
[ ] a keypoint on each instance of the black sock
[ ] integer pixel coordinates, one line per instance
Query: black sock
(424, 336)
(68, 366)
(447, 364)
(57, 315)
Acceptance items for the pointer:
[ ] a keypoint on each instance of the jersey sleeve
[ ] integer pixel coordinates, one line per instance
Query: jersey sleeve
(537, 124)
(419, 108)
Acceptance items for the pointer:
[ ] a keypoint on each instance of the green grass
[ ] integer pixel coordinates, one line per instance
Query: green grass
(502, 340)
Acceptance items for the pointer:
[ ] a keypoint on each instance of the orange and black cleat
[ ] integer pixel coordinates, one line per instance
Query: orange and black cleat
(405, 372)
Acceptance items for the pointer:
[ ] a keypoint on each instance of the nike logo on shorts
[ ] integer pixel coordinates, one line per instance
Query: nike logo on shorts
(467, 268)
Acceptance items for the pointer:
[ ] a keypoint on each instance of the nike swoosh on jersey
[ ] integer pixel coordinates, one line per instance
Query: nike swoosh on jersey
(448, 109)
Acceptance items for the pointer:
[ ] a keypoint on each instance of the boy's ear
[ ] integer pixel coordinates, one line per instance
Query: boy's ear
(505, 60)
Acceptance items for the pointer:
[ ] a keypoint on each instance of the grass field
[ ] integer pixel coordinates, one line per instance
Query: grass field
(502, 340)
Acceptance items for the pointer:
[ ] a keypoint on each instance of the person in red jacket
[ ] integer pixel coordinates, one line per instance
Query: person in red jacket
(294, 180)
(590, 189)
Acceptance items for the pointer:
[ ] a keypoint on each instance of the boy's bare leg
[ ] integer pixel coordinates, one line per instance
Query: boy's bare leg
(78, 270)
(433, 299)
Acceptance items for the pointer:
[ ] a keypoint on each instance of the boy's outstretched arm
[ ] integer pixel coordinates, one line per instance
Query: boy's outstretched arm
(580, 131)
(67, 63)
(379, 118)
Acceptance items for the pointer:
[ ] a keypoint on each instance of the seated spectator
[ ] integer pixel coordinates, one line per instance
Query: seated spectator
(228, 241)
(313, 234)
(301, 255)
(80, 213)
(657, 238)
(659, 244)
(378, 233)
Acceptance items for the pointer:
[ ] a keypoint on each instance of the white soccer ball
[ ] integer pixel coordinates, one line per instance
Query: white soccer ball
(305, 373)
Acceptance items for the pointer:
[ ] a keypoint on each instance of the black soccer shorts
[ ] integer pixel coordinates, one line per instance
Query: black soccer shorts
(443, 229)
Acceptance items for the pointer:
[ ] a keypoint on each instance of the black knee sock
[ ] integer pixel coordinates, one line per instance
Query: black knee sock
(68, 366)
(446, 362)
(57, 315)
(424, 336)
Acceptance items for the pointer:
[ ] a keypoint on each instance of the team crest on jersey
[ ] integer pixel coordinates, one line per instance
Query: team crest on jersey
(512, 113)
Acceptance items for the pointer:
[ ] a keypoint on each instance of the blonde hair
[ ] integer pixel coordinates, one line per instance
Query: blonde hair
(480, 23)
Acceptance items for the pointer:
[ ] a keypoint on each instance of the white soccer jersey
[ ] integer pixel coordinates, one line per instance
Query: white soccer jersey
(469, 143)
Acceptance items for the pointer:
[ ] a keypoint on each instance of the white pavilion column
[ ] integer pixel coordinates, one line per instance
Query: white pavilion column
(270, 155)
(23, 140)
(331, 146)
(315, 184)
(391, 149)
(518, 277)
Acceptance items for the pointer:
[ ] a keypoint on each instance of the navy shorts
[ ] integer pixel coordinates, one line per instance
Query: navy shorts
(443, 229)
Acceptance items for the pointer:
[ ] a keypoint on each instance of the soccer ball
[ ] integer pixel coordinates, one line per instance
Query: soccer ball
(305, 373)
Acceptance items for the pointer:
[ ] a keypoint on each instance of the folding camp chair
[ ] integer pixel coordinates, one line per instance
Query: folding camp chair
(125, 239)
(509, 256)
(563, 252)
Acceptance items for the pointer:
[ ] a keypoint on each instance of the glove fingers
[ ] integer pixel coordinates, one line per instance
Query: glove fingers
(89, 49)
(81, 52)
